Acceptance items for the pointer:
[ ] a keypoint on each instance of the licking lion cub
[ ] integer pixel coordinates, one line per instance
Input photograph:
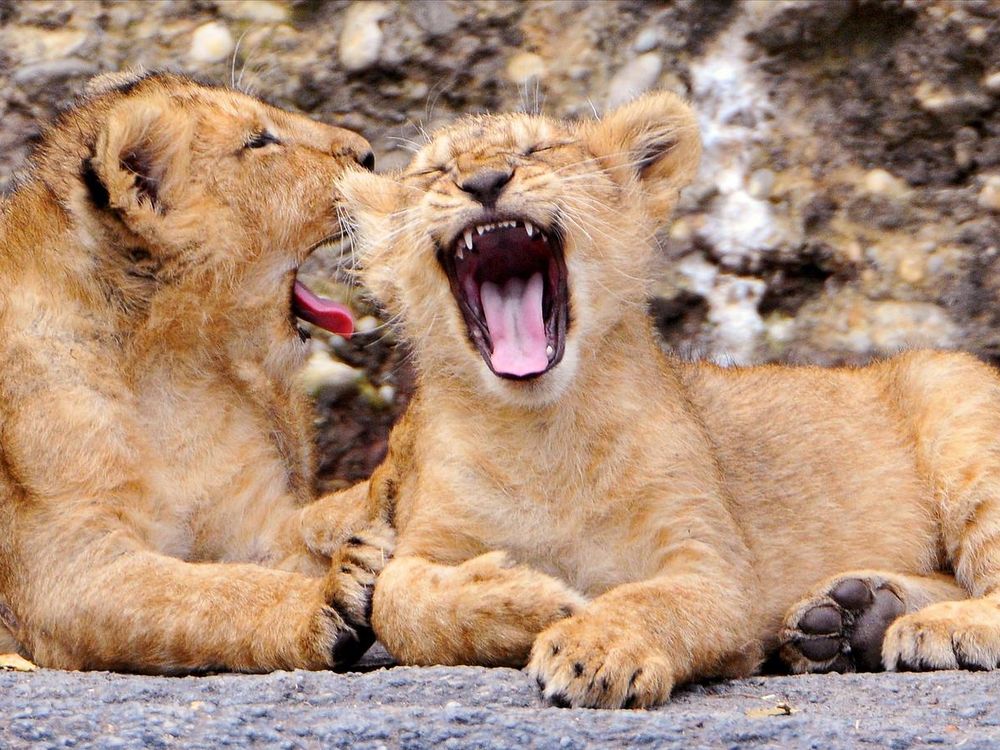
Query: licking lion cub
(156, 507)
(568, 495)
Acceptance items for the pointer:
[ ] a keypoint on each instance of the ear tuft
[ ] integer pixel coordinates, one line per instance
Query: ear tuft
(140, 163)
(653, 139)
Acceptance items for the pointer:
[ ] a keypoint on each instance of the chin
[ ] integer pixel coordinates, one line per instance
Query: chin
(537, 392)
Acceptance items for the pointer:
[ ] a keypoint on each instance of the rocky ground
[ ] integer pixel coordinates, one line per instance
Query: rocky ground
(488, 708)
(848, 204)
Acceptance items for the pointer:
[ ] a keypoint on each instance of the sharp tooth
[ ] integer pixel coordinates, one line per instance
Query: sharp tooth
(459, 254)
(468, 240)
(549, 351)
(529, 228)
(480, 229)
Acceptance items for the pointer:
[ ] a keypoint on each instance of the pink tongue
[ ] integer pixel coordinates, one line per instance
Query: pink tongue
(331, 316)
(514, 316)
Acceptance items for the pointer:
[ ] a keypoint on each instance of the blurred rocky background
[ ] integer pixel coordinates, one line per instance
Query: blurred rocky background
(848, 204)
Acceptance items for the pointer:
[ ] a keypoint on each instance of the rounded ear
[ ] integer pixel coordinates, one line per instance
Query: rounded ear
(654, 140)
(140, 154)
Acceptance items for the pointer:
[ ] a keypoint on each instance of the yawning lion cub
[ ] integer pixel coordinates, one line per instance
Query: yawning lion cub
(564, 490)
(155, 467)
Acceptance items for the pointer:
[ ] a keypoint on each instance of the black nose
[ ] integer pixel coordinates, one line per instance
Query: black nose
(367, 160)
(486, 185)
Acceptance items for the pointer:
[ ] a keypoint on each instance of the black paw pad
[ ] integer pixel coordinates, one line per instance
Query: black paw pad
(869, 629)
(820, 649)
(824, 620)
(852, 594)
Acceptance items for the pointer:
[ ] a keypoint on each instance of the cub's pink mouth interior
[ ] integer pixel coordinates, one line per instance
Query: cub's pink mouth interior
(327, 314)
(509, 279)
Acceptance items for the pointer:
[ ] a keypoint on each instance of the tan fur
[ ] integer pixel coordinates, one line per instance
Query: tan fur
(156, 508)
(657, 519)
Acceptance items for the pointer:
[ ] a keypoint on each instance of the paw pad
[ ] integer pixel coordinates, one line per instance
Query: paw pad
(844, 629)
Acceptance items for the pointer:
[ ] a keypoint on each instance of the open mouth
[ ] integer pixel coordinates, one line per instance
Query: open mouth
(327, 314)
(321, 312)
(509, 279)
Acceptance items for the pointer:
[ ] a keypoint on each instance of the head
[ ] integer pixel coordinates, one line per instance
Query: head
(202, 188)
(514, 244)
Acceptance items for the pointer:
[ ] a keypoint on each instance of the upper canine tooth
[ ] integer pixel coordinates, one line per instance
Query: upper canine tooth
(468, 239)
(529, 228)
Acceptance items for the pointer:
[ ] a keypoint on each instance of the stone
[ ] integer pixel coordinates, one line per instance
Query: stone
(31, 45)
(880, 182)
(211, 43)
(634, 78)
(53, 70)
(991, 82)
(255, 11)
(323, 373)
(647, 39)
(361, 36)
(989, 194)
(436, 17)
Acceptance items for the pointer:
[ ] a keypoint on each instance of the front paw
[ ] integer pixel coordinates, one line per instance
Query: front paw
(588, 661)
(349, 586)
(947, 635)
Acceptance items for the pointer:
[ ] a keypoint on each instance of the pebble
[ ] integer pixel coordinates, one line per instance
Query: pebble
(322, 372)
(989, 195)
(32, 45)
(912, 268)
(940, 100)
(634, 78)
(525, 67)
(646, 40)
(257, 11)
(367, 324)
(361, 37)
(760, 184)
(52, 70)
(881, 182)
(211, 43)
(434, 16)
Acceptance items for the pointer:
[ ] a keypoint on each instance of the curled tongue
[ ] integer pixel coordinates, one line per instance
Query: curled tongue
(324, 313)
(514, 315)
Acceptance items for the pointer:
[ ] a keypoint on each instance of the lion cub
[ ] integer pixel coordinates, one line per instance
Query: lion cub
(156, 508)
(568, 495)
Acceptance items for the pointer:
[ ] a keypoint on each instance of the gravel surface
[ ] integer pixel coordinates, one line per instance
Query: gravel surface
(410, 707)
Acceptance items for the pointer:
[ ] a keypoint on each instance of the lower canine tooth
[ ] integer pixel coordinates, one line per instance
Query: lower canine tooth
(549, 351)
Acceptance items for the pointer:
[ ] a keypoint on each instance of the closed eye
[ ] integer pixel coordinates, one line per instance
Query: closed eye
(545, 147)
(426, 172)
(261, 139)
